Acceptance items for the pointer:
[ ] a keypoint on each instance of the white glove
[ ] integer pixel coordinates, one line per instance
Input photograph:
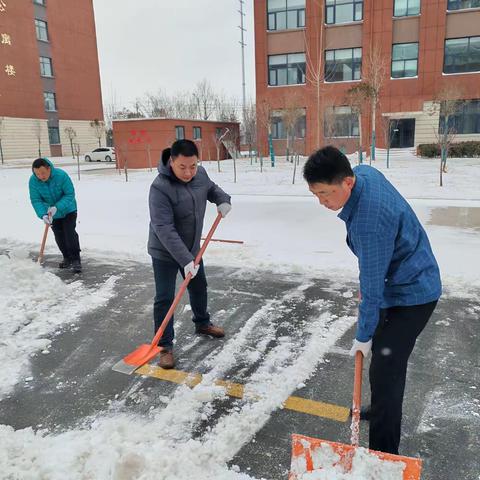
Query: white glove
(223, 209)
(363, 347)
(191, 268)
(52, 211)
(47, 219)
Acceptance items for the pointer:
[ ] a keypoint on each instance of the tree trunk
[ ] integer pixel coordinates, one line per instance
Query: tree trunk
(374, 115)
(1, 150)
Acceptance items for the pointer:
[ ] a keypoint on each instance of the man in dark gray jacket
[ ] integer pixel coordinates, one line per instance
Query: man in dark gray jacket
(177, 201)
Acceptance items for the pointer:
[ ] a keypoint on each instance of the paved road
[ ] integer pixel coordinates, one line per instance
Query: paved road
(442, 407)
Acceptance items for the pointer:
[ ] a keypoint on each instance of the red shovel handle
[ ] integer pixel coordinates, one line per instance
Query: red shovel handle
(185, 283)
(357, 398)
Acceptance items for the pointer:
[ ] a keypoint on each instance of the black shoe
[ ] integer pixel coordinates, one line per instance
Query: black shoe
(65, 263)
(76, 266)
(365, 413)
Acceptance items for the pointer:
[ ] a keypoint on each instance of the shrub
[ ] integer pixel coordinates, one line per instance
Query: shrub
(458, 150)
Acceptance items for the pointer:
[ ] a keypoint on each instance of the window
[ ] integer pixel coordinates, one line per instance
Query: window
(462, 55)
(343, 65)
(179, 133)
(50, 103)
(279, 132)
(46, 69)
(405, 60)
(218, 132)
(286, 69)
(197, 133)
(53, 135)
(461, 4)
(406, 8)
(39, 2)
(343, 11)
(466, 119)
(41, 29)
(340, 122)
(285, 14)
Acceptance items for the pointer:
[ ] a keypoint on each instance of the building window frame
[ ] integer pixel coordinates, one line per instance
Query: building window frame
(46, 65)
(402, 73)
(292, 71)
(455, 67)
(54, 136)
(50, 101)
(346, 123)
(410, 8)
(289, 18)
(179, 132)
(332, 7)
(355, 64)
(454, 5)
(466, 121)
(41, 29)
(279, 131)
(197, 133)
(40, 2)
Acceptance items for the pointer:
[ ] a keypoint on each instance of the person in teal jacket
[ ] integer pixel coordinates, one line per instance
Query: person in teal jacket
(53, 198)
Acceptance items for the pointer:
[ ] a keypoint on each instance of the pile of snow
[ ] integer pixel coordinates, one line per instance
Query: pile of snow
(36, 304)
(164, 445)
(365, 466)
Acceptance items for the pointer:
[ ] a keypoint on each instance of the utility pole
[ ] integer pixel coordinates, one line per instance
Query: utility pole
(243, 44)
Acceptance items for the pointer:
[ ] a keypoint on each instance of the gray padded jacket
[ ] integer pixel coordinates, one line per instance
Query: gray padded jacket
(177, 210)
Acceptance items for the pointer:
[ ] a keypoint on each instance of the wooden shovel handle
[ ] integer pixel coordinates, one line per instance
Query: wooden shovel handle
(44, 241)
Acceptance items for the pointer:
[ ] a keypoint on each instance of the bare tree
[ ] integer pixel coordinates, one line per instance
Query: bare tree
(218, 138)
(2, 120)
(264, 122)
(98, 127)
(231, 139)
(448, 102)
(291, 115)
(358, 98)
(315, 64)
(38, 131)
(329, 122)
(204, 99)
(375, 68)
(226, 109)
(71, 135)
(389, 127)
(250, 128)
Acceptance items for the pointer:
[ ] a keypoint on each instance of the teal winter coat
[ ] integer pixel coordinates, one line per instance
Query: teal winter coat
(57, 191)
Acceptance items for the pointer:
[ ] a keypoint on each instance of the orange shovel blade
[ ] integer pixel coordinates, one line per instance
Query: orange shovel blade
(303, 449)
(137, 358)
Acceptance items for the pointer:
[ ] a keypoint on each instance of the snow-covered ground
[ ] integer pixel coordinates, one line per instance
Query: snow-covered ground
(285, 230)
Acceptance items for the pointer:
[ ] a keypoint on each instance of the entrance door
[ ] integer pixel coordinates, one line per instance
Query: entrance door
(402, 132)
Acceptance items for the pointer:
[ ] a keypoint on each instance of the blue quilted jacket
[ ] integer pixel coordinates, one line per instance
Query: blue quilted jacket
(57, 191)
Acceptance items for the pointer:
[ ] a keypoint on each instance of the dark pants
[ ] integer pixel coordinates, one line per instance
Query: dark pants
(66, 236)
(165, 277)
(393, 343)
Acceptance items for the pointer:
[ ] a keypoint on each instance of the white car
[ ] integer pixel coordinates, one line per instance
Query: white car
(102, 154)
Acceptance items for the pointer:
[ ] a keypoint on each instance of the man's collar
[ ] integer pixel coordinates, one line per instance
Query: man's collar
(353, 200)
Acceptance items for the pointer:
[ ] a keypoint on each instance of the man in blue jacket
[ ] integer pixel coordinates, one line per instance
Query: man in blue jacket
(399, 278)
(53, 199)
(177, 201)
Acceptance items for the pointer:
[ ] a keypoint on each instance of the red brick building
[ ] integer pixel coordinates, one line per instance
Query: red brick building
(309, 53)
(141, 140)
(49, 76)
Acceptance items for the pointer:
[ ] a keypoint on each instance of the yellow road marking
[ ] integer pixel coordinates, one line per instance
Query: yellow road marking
(297, 404)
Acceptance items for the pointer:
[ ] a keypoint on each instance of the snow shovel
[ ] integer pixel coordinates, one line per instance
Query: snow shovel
(42, 246)
(146, 352)
(306, 454)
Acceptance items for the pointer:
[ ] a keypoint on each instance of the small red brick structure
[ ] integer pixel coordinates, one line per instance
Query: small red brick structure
(141, 140)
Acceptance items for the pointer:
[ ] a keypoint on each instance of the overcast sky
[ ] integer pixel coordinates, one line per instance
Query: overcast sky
(147, 45)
